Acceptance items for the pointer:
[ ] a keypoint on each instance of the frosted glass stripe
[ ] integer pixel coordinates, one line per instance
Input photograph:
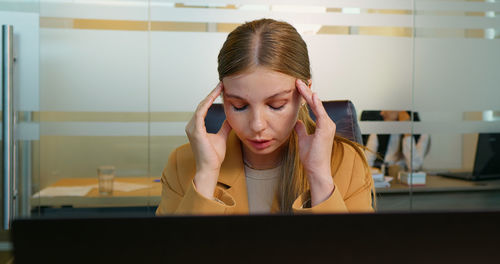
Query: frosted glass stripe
(27, 131)
(442, 127)
(456, 22)
(379, 4)
(457, 6)
(232, 16)
(111, 129)
(138, 10)
(93, 129)
(95, 10)
(168, 128)
(30, 131)
(385, 4)
(450, 127)
(369, 127)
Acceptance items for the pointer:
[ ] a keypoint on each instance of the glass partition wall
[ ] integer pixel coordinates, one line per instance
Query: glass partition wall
(361, 53)
(456, 91)
(114, 82)
(94, 100)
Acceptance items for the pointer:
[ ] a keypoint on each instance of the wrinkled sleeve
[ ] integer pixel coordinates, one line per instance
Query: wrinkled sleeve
(357, 199)
(175, 200)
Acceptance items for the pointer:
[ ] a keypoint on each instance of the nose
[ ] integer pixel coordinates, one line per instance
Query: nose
(258, 121)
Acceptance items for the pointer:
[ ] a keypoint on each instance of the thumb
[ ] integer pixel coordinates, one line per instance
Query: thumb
(300, 128)
(224, 130)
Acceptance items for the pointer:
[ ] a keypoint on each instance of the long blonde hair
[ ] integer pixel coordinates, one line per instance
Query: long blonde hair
(277, 46)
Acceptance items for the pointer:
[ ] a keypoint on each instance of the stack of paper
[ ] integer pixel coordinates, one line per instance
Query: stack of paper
(386, 183)
(379, 180)
(84, 190)
(64, 191)
(412, 178)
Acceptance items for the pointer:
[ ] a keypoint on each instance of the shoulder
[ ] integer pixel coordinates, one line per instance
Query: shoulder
(180, 168)
(349, 166)
(347, 150)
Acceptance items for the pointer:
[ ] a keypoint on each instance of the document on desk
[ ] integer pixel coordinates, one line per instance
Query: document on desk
(128, 187)
(125, 186)
(64, 191)
(84, 190)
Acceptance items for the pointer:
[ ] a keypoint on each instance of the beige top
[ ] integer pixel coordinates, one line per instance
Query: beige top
(261, 188)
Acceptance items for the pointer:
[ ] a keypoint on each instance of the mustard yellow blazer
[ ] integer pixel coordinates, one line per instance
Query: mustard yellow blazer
(351, 175)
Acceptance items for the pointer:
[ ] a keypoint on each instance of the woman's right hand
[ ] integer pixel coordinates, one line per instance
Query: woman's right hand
(209, 149)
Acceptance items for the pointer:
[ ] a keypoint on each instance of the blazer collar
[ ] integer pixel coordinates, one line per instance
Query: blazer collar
(232, 167)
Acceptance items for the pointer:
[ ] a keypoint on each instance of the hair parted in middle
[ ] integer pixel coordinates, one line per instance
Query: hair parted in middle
(277, 46)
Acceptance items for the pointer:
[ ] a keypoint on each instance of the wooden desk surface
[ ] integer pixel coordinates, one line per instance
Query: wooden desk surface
(436, 183)
(151, 196)
(142, 197)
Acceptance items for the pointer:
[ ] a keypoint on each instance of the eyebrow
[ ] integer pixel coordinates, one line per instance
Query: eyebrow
(270, 97)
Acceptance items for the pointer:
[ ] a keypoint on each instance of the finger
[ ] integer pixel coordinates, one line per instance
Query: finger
(312, 100)
(208, 101)
(318, 108)
(300, 128)
(304, 91)
(202, 109)
(225, 129)
(323, 120)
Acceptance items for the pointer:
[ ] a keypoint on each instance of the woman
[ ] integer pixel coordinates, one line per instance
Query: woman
(268, 156)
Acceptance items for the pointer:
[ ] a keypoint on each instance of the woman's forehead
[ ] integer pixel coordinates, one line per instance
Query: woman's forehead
(260, 80)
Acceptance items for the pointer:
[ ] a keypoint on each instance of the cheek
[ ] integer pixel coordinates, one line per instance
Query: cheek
(235, 120)
(287, 119)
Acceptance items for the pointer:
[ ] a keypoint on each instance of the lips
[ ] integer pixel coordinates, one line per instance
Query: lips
(260, 143)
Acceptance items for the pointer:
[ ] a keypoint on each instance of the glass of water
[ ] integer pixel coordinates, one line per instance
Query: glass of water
(106, 176)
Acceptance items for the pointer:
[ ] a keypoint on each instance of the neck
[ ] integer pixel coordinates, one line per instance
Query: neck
(262, 161)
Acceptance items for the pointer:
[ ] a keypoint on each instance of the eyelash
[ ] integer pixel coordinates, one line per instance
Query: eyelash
(245, 107)
(239, 109)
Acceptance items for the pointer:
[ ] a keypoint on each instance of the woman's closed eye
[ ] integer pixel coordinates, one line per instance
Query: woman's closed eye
(277, 107)
(241, 108)
(277, 104)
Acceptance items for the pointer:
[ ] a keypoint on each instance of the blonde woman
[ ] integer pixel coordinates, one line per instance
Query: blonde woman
(268, 156)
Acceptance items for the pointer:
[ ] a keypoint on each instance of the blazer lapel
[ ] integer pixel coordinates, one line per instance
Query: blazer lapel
(232, 174)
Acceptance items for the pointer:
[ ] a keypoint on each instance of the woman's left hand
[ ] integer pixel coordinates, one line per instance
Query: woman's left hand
(315, 150)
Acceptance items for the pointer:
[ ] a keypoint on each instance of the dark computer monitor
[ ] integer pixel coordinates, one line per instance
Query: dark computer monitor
(342, 238)
(486, 162)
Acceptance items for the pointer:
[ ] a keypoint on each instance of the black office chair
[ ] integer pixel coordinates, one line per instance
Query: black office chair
(341, 112)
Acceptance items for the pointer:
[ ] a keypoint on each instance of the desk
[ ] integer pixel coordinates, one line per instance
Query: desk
(440, 193)
(436, 183)
(143, 197)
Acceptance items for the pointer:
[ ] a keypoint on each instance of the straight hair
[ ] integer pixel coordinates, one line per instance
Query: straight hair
(277, 46)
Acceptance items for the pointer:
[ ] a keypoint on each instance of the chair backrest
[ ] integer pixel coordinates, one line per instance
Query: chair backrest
(341, 112)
